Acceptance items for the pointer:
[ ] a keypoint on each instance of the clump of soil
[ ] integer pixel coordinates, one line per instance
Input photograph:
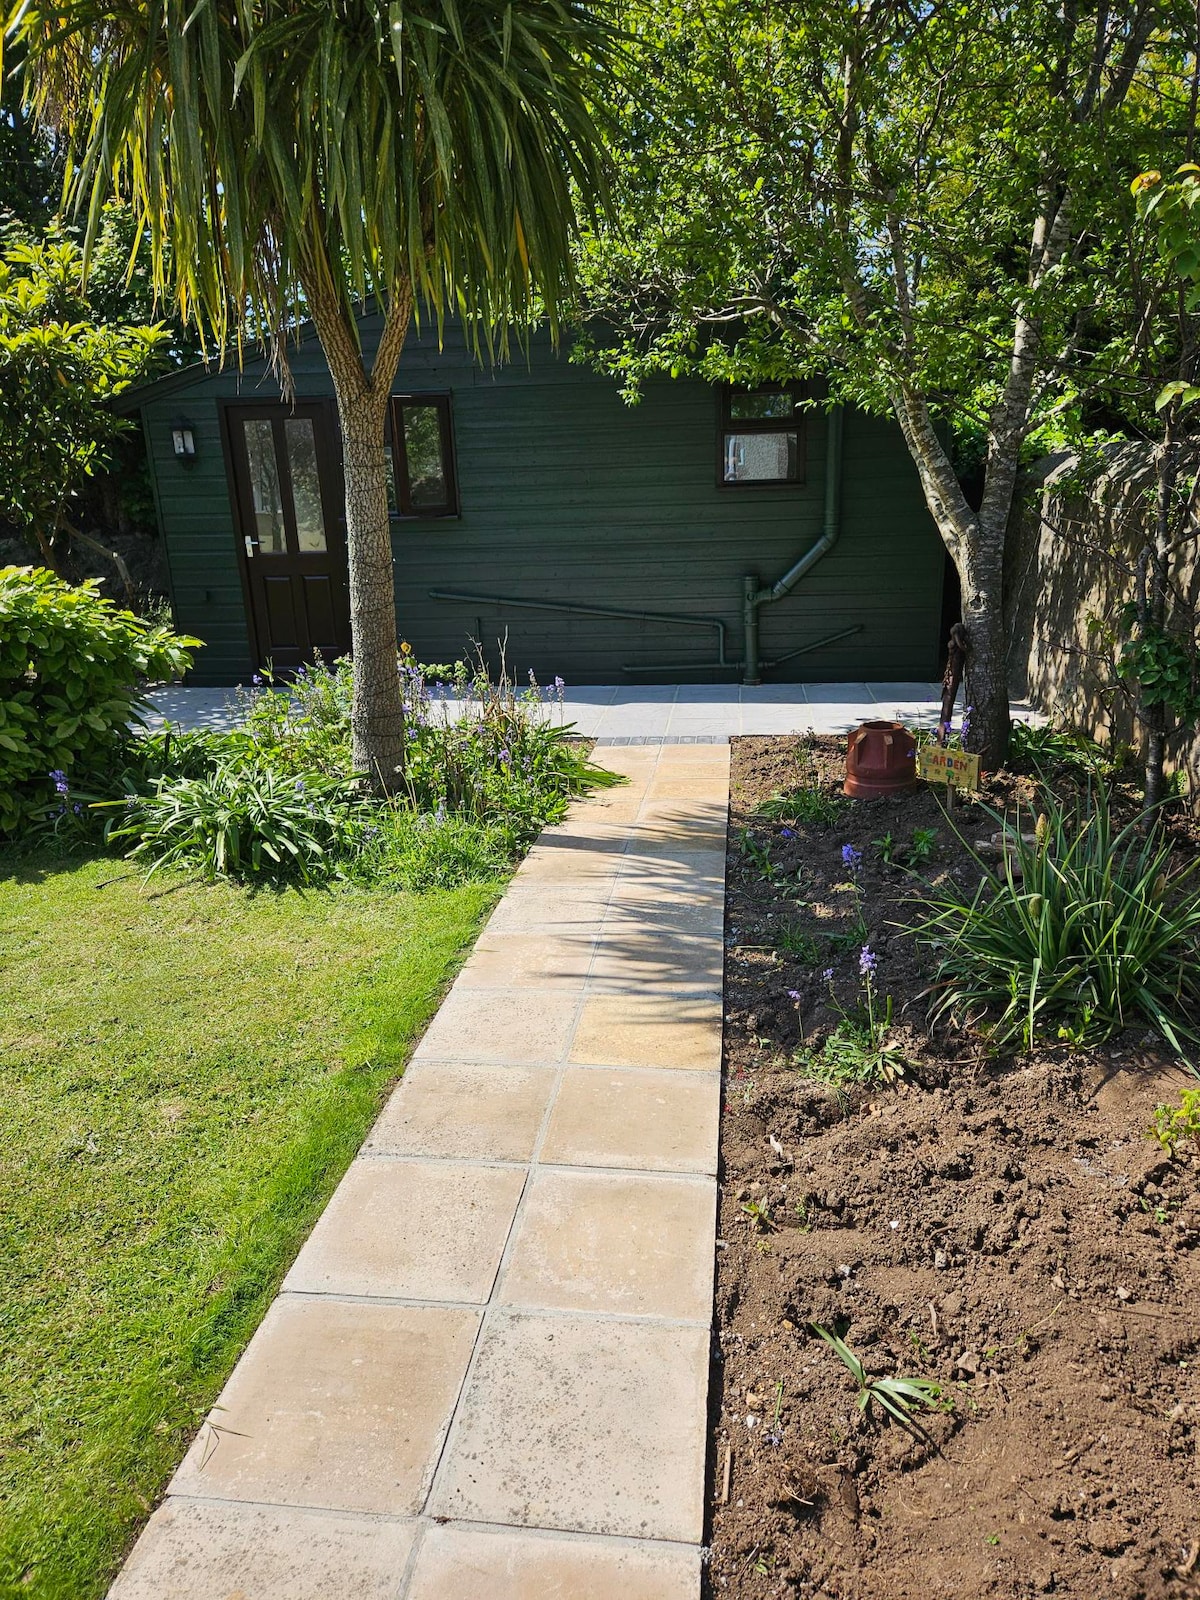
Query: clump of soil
(1004, 1227)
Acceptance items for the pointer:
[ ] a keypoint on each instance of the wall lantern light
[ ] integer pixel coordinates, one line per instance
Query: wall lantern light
(183, 440)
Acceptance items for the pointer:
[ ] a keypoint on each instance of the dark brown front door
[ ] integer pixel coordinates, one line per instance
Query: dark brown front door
(287, 488)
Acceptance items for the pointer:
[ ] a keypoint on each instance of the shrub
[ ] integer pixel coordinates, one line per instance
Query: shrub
(71, 665)
(1085, 932)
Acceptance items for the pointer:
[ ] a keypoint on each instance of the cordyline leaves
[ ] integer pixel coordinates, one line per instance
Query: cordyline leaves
(281, 150)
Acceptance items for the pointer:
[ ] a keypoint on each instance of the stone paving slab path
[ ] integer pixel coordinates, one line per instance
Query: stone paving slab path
(649, 713)
(486, 1375)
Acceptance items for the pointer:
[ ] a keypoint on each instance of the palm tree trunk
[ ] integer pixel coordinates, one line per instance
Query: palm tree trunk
(377, 711)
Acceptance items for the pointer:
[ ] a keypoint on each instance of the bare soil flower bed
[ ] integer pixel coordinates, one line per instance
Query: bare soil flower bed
(1003, 1226)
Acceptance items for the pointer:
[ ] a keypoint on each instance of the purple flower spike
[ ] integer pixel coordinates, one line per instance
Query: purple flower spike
(787, 833)
(851, 857)
(828, 975)
(867, 961)
(794, 994)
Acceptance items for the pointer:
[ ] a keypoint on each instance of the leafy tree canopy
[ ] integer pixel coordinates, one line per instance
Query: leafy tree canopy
(60, 363)
(849, 191)
(917, 201)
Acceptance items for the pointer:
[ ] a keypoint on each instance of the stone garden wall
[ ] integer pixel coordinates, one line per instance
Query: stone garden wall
(1072, 567)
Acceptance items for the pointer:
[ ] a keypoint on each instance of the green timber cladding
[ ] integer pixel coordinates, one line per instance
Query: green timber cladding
(570, 496)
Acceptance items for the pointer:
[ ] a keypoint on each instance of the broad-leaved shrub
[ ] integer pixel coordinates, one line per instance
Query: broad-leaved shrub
(72, 670)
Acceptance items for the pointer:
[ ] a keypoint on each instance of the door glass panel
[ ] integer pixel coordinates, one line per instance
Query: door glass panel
(423, 449)
(306, 484)
(264, 487)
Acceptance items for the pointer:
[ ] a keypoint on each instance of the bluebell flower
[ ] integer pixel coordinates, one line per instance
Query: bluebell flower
(299, 787)
(505, 758)
(787, 833)
(77, 809)
(59, 779)
(794, 994)
(257, 680)
(851, 857)
(867, 961)
(828, 974)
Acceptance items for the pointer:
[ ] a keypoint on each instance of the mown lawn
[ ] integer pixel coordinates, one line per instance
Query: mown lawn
(185, 1071)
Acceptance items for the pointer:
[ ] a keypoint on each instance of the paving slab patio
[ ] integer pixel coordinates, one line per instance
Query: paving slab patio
(707, 712)
(486, 1375)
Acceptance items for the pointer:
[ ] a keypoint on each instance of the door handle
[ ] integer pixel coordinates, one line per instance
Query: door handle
(251, 546)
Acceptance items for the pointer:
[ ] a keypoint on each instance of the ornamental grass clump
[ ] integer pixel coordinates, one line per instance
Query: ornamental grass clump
(1084, 932)
(243, 821)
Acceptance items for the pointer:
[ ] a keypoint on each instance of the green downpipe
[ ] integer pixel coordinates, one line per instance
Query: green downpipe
(752, 596)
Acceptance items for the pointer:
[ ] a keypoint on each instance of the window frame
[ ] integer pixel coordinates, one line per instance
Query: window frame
(796, 423)
(405, 510)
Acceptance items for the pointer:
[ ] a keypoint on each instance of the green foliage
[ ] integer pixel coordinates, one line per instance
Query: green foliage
(30, 177)
(1171, 205)
(71, 669)
(60, 365)
(756, 853)
(1165, 665)
(759, 1212)
(910, 854)
(859, 1049)
(794, 939)
(1174, 1123)
(502, 759)
(242, 820)
(835, 192)
(899, 1397)
(814, 806)
(1086, 932)
(424, 850)
(287, 153)
(1049, 749)
(921, 846)
(277, 799)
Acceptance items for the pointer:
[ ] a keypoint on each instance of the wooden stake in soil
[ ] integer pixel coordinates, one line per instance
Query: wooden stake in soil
(726, 1474)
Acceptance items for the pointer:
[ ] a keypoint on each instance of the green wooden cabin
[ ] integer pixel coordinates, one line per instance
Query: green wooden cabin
(606, 543)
